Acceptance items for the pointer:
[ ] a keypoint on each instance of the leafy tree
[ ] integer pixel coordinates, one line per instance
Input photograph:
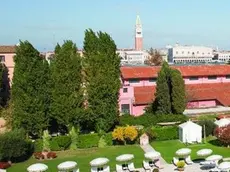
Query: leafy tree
(207, 125)
(102, 72)
(29, 90)
(4, 86)
(162, 103)
(154, 58)
(66, 80)
(178, 95)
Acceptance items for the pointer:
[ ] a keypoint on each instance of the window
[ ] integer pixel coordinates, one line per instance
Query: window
(152, 79)
(2, 58)
(134, 81)
(227, 76)
(125, 90)
(193, 78)
(211, 77)
(125, 108)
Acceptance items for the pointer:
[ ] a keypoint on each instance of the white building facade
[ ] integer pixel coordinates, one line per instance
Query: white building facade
(223, 56)
(190, 54)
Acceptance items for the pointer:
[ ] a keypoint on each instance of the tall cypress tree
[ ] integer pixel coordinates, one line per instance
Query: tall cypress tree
(29, 90)
(178, 96)
(162, 103)
(102, 79)
(66, 93)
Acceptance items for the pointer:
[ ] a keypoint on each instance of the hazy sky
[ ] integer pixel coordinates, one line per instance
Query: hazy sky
(45, 22)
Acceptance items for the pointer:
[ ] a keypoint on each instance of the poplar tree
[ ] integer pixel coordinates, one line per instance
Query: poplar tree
(102, 66)
(66, 92)
(29, 96)
(178, 95)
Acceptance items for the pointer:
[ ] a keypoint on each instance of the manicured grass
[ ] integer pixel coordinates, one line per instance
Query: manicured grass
(84, 156)
(168, 149)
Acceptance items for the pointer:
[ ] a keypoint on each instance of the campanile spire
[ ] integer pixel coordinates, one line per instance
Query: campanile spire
(138, 35)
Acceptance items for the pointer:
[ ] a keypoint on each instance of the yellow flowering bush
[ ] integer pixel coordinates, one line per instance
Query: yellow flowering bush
(130, 133)
(118, 134)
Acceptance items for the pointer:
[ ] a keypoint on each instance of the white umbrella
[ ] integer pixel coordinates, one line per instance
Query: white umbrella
(152, 155)
(224, 166)
(38, 167)
(67, 165)
(214, 158)
(125, 157)
(183, 152)
(204, 152)
(222, 122)
(99, 162)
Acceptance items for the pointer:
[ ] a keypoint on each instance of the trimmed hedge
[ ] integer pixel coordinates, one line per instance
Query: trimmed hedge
(166, 133)
(62, 141)
(148, 120)
(88, 140)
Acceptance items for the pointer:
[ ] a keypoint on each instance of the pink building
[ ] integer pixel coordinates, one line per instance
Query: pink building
(7, 54)
(206, 86)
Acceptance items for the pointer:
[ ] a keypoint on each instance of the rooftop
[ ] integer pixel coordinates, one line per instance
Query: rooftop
(7, 48)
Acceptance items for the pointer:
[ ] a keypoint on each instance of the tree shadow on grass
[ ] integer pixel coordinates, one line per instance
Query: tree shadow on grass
(215, 142)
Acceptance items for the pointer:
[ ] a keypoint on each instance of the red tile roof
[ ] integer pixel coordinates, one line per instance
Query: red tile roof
(7, 49)
(220, 91)
(152, 71)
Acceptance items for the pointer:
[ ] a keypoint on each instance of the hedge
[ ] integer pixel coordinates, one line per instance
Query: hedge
(166, 133)
(148, 120)
(88, 140)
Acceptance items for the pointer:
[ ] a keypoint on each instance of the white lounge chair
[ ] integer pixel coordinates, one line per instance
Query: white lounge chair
(131, 166)
(146, 166)
(119, 168)
(216, 170)
(157, 163)
(208, 164)
(106, 169)
(93, 169)
(188, 160)
(175, 161)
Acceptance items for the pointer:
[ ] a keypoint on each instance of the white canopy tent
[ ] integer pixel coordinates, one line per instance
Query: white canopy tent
(222, 122)
(189, 132)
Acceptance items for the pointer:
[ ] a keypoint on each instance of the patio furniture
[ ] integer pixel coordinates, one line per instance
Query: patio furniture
(38, 167)
(208, 164)
(154, 157)
(147, 166)
(157, 164)
(175, 161)
(67, 166)
(214, 158)
(131, 166)
(124, 159)
(119, 168)
(184, 152)
(99, 164)
(204, 152)
(188, 160)
(106, 169)
(224, 166)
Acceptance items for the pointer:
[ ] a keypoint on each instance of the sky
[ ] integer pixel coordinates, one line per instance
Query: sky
(165, 22)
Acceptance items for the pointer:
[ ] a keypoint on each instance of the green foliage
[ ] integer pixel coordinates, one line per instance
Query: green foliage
(46, 140)
(148, 120)
(4, 85)
(74, 138)
(14, 146)
(162, 103)
(54, 145)
(88, 140)
(166, 133)
(209, 126)
(66, 94)
(102, 142)
(38, 145)
(180, 164)
(151, 133)
(108, 139)
(178, 96)
(102, 73)
(63, 141)
(29, 90)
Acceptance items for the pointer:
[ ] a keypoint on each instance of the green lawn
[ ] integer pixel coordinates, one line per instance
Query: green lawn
(168, 149)
(84, 156)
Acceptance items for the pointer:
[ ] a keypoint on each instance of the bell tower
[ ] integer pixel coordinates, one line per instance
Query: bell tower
(138, 35)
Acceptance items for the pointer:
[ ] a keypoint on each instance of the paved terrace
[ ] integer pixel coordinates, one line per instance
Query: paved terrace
(218, 109)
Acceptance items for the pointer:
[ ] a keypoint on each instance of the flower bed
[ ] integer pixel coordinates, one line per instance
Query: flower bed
(4, 165)
(39, 155)
(45, 155)
(51, 155)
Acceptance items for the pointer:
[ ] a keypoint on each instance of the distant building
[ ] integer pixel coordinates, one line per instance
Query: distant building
(223, 56)
(138, 35)
(190, 54)
(7, 54)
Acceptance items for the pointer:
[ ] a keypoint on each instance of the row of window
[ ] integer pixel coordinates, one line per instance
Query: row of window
(2, 58)
(133, 81)
(193, 53)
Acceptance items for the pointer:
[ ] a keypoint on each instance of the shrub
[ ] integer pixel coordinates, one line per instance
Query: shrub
(223, 135)
(46, 140)
(101, 143)
(38, 145)
(74, 137)
(14, 146)
(180, 164)
(118, 134)
(166, 133)
(130, 133)
(155, 170)
(51, 155)
(148, 120)
(209, 127)
(88, 140)
(151, 133)
(4, 165)
(108, 139)
(63, 141)
(39, 155)
(54, 145)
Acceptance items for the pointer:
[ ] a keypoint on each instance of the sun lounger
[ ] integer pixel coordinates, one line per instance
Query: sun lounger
(175, 161)
(188, 160)
(131, 166)
(146, 166)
